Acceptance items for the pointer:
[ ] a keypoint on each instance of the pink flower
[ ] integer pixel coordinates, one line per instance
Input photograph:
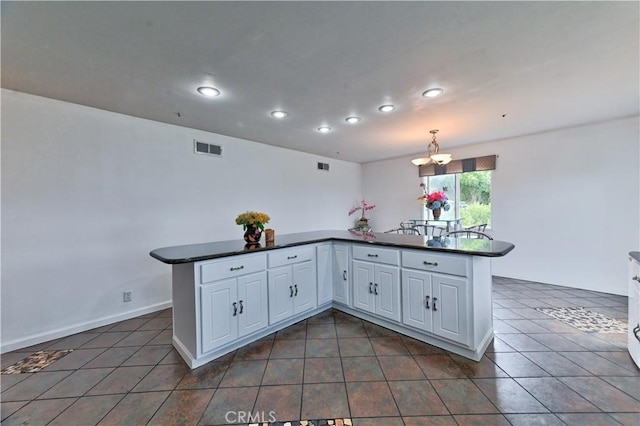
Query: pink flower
(363, 206)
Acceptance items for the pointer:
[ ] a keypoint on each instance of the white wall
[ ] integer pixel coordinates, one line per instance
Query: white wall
(568, 199)
(86, 194)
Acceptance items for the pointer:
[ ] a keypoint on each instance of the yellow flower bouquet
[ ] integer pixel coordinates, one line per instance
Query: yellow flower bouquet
(255, 219)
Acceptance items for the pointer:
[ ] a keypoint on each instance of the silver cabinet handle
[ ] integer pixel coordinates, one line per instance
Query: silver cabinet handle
(292, 257)
(241, 307)
(235, 309)
(426, 302)
(370, 287)
(430, 263)
(372, 255)
(636, 331)
(290, 291)
(236, 268)
(435, 299)
(344, 275)
(636, 278)
(375, 289)
(296, 293)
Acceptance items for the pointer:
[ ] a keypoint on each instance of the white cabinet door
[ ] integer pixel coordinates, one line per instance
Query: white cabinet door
(363, 297)
(280, 294)
(386, 291)
(219, 325)
(324, 267)
(341, 273)
(416, 299)
(253, 312)
(304, 286)
(450, 308)
(634, 311)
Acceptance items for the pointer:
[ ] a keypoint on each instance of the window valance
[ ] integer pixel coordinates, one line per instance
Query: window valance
(459, 166)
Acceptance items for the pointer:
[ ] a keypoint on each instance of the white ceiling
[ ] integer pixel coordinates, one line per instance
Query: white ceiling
(545, 65)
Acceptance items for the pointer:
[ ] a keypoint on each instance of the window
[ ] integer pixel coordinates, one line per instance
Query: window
(469, 195)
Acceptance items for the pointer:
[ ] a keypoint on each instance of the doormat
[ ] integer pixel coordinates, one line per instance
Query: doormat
(35, 362)
(328, 422)
(587, 321)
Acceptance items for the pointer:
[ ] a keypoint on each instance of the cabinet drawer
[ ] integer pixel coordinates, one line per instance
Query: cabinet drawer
(378, 255)
(288, 256)
(442, 263)
(231, 267)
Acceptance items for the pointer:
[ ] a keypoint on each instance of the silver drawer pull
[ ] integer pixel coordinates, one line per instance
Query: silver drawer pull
(371, 288)
(235, 309)
(372, 255)
(237, 268)
(241, 307)
(430, 263)
(426, 302)
(344, 275)
(290, 291)
(292, 257)
(435, 299)
(375, 289)
(296, 293)
(636, 278)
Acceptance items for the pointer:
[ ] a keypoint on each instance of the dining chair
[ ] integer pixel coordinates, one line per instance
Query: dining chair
(433, 230)
(406, 231)
(408, 224)
(481, 228)
(468, 233)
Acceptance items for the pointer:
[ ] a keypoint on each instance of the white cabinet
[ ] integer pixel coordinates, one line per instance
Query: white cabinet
(292, 287)
(233, 307)
(325, 270)
(436, 303)
(341, 275)
(634, 311)
(376, 285)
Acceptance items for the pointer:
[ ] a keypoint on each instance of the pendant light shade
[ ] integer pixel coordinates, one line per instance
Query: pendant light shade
(433, 152)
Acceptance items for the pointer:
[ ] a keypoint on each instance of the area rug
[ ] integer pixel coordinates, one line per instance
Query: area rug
(35, 362)
(587, 321)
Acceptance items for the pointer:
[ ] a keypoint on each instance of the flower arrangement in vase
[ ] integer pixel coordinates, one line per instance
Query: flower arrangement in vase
(253, 225)
(363, 222)
(436, 201)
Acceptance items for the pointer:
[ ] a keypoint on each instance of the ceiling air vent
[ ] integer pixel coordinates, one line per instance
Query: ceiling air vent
(207, 148)
(323, 166)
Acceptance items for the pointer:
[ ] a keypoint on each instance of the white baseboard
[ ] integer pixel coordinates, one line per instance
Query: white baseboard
(35, 339)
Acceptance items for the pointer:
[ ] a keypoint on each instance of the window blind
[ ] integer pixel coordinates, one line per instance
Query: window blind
(459, 166)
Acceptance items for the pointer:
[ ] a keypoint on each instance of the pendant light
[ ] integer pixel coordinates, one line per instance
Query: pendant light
(433, 152)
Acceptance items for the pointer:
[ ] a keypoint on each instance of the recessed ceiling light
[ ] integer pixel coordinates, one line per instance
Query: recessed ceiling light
(352, 120)
(387, 108)
(208, 91)
(432, 93)
(279, 114)
(324, 129)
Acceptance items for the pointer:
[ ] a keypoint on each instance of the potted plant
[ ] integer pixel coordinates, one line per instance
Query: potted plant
(436, 201)
(253, 225)
(363, 222)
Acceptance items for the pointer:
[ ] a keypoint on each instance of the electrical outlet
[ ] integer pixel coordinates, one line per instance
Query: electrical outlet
(126, 296)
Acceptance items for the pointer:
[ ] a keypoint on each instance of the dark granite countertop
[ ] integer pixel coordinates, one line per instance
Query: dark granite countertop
(635, 255)
(214, 250)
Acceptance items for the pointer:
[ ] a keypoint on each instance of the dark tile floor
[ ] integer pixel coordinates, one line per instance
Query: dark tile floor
(537, 371)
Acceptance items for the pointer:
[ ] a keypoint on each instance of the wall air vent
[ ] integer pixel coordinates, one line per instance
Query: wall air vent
(323, 166)
(207, 148)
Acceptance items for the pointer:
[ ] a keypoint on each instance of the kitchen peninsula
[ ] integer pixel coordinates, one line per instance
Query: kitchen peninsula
(226, 294)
